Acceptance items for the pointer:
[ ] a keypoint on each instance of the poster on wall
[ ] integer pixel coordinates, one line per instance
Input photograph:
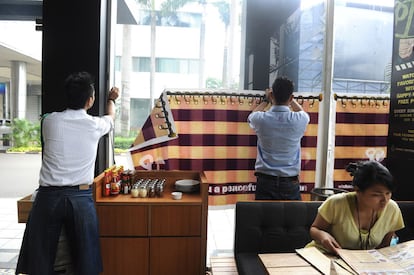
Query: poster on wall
(400, 147)
(401, 127)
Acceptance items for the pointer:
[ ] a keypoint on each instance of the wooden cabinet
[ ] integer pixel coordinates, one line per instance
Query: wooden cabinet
(172, 255)
(154, 236)
(125, 255)
(176, 220)
(122, 220)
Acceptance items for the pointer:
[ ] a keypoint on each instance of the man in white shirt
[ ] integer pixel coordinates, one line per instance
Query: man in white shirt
(64, 199)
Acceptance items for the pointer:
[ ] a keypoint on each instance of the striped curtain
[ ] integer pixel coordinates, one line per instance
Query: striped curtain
(208, 131)
(361, 133)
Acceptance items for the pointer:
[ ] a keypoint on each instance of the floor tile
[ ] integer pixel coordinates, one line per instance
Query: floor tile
(7, 271)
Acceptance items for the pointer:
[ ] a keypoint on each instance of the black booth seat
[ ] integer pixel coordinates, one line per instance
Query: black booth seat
(283, 226)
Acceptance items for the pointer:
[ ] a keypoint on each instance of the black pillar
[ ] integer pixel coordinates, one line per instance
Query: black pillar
(75, 38)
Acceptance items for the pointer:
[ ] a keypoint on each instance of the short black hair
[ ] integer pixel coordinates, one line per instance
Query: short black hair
(368, 173)
(282, 89)
(78, 88)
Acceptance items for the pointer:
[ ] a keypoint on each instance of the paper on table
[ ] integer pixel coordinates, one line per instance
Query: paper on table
(343, 267)
(398, 259)
(308, 270)
(282, 260)
(326, 264)
(286, 263)
(370, 262)
(401, 254)
(316, 258)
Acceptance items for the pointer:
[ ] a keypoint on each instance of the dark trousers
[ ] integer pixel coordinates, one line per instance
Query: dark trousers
(53, 208)
(277, 188)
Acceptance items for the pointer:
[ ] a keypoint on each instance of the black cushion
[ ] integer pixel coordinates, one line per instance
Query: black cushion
(270, 227)
(249, 264)
(273, 226)
(407, 210)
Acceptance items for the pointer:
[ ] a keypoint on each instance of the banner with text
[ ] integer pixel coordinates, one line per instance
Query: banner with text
(401, 138)
(208, 131)
(401, 122)
(361, 131)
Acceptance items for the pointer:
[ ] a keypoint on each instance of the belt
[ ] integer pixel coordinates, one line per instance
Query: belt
(77, 187)
(259, 174)
(84, 186)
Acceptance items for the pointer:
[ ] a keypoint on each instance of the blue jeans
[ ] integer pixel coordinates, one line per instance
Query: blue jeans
(277, 188)
(53, 208)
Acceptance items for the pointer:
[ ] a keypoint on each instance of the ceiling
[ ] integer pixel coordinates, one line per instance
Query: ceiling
(31, 10)
(19, 10)
(33, 66)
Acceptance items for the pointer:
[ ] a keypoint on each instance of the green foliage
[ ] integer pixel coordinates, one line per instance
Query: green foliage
(171, 6)
(224, 11)
(213, 83)
(25, 133)
(26, 138)
(31, 149)
(123, 142)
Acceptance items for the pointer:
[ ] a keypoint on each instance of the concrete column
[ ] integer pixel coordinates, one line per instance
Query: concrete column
(326, 140)
(7, 108)
(18, 89)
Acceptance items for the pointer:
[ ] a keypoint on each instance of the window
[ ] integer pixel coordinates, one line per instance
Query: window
(197, 43)
(141, 64)
(178, 66)
(363, 47)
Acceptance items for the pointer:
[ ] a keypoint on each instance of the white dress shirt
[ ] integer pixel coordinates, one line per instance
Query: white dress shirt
(70, 146)
(279, 132)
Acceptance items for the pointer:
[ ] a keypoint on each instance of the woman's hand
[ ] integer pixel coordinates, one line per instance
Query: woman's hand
(328, 242)
(319, 233)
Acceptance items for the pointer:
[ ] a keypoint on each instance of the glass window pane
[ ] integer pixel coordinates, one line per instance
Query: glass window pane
(117, 63)
(363, 46)
(183, 48)
(139, 106)
(144, 64)
(135, 64)
(20, 41)
(297, 47)
(193, 66)
(168, 65)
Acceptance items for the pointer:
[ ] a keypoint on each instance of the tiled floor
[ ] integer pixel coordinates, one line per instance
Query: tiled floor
(219, 239)
(11, 234)
(220, 231)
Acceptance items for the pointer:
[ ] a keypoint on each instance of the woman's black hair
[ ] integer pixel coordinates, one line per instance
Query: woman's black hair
(367, 173)
(78, 87)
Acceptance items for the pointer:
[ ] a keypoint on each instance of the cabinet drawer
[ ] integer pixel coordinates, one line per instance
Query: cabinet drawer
(123, 220)
(126, 256)
(175, 220)
(179, 255)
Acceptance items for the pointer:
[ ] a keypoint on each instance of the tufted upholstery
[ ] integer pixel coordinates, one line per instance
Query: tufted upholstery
(407, 210)
(283, 226)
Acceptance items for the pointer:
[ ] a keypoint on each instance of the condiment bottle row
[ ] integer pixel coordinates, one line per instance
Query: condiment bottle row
(148, 188)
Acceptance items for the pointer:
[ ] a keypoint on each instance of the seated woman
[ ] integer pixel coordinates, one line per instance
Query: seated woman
(364, 219)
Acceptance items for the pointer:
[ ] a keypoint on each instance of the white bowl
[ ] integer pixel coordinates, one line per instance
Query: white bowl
(187, 185)
(177, 195)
